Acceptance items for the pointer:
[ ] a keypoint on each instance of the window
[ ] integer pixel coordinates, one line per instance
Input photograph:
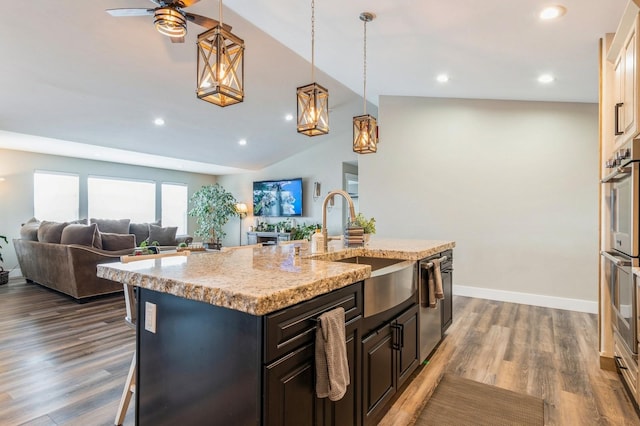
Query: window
(174, 206)
(111, 198)
(56, 196)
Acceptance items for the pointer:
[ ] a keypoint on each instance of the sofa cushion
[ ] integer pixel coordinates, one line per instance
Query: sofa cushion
(80, 221)
(164, 236)
(84, 235)
(115, 226)
(29, 229)
(51, 232)
(115, 242)
(141, 230)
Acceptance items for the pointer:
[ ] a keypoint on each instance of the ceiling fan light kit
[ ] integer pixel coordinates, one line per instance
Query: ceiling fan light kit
(220, 78)
(365, 127)
(313, 99)
(170, 22)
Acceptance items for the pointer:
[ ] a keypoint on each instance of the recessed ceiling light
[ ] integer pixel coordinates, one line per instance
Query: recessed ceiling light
(553, 12)
(288, 117)
(442, 78)
(545, 78)
(242, 142)
(158, 122)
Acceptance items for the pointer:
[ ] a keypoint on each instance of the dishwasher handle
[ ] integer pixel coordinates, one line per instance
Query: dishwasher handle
(615, 259)
(429, 265)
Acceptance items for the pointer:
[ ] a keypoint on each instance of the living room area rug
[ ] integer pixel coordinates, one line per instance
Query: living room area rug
(460, 402)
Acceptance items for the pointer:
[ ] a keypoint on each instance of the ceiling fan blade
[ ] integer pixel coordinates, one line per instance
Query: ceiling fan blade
(130, 12)
(177, 39)
(205, 22)
(156, 2)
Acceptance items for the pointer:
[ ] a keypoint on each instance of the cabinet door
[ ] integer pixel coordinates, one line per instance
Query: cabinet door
(379, 372)
(347, 410)
(407, 344)
(290, 397)
(629, 86)
(447, 304)
(252, 238)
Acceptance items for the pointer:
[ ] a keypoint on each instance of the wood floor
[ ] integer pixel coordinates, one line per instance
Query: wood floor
(62, 363)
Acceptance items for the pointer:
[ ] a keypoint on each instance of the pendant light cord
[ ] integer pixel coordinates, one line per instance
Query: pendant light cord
(220, 11)
(364, 90)
(313, 35)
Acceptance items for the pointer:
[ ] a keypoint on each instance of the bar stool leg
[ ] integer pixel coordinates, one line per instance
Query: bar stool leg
(129, 389)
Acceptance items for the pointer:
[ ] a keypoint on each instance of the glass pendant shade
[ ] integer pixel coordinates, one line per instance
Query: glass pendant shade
(365, 134)
(313, 110)
(220, 67)
(170, 22)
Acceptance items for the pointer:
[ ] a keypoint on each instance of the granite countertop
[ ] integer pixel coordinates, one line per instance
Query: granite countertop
(262, 280)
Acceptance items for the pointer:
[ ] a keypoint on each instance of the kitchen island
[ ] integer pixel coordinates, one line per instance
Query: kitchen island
(231, 338)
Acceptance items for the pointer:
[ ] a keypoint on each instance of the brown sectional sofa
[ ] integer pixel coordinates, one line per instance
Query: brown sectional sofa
(63, 256)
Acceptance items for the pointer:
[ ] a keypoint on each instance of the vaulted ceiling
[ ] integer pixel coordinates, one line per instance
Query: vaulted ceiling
(72, 73)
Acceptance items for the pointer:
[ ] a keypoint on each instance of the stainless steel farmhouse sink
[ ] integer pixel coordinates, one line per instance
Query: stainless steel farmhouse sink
(392, 282)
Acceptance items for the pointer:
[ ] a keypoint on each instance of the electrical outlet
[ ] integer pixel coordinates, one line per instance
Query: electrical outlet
(150, 317)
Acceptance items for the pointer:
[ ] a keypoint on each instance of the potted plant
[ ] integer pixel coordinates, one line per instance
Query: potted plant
(369, 225)
(4, 275)
(212, 206)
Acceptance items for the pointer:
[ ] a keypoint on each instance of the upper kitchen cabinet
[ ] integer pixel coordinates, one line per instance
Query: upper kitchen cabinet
(623, 54)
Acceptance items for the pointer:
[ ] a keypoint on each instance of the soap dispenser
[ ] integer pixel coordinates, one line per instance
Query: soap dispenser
(317, 242)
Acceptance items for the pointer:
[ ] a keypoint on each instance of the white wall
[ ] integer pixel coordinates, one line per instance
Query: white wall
(16, 191)
(322, 163)
(515, 184)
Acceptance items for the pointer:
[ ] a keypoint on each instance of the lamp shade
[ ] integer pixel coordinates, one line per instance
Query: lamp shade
(241, 208)
(220, 67)
(313, 110)
(365, 134)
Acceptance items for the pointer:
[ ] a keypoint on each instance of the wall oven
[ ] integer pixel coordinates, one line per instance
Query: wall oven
(623, 192)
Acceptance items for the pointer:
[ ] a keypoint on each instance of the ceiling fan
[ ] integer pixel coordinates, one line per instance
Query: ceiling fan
(170, 17)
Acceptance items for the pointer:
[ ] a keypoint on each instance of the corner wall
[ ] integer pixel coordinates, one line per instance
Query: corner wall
(515, 184)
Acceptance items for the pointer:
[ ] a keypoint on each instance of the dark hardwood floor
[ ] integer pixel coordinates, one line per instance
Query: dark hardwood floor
(63, 363)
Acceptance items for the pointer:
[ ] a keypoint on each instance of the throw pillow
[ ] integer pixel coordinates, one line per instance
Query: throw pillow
(80, 221)
(141, 230)
(51, 232)
(164, 236)
(29, 229)
(115, 226)
(115, 242)
(84, 235)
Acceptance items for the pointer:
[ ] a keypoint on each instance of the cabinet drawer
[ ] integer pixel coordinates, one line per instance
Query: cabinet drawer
(295, 326)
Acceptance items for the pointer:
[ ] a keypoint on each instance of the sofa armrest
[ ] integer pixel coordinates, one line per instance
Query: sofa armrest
(187, 239)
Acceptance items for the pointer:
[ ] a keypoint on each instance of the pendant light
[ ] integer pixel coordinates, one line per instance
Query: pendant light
(220, 66)
(313, 99)
(365, 127)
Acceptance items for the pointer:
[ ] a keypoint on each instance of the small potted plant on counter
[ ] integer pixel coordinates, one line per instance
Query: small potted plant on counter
(4, 275)
(369, 226)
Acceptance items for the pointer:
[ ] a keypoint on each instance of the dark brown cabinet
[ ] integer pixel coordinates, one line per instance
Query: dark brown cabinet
(389, 356)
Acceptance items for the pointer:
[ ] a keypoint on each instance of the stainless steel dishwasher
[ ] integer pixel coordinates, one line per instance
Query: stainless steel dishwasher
(431, 318)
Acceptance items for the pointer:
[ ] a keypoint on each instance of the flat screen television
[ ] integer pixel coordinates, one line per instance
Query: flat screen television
(277, 198)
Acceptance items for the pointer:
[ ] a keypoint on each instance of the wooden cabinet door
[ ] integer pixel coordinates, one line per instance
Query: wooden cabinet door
(347, 410)
(289, 396)
(629, 86)
(379, 372)
(407, 344)
(618, 94)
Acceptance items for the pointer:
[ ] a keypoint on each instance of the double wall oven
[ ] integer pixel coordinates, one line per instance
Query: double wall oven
(622, 185)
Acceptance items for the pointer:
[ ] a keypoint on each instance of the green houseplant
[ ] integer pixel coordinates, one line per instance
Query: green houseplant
(212, 206)
(4, 275)
(369, 225)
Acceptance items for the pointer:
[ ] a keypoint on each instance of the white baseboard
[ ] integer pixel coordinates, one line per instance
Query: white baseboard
(578, 305)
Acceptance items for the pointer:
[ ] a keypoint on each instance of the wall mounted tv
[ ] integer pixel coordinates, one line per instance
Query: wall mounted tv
(277, 198)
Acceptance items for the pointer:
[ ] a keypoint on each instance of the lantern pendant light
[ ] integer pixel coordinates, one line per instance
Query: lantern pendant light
(313, 99)
(365, 127)
(220, 77)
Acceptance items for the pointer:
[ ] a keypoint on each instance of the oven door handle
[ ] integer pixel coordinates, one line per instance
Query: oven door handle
(616, 260)
(616, 174)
